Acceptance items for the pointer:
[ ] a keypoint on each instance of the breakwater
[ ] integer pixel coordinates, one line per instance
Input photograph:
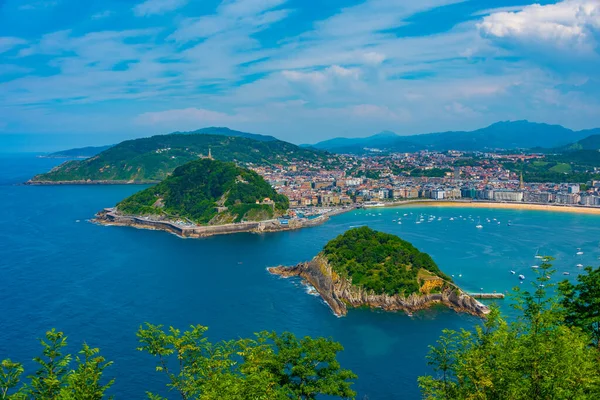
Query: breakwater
(111, 216)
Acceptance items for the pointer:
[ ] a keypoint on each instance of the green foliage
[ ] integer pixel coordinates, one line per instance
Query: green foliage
(54, 380)
(582, 303)
(153, 159)
(269, 367)
(536, 357)
(196, 189)
(574, 166)
(379, 261)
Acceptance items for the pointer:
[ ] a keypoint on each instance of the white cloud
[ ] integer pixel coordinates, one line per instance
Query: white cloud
(102, 15)
(153, 7)
(39, 5)
(240, 17)
(187, 119)
(571, 26)
(7, 43)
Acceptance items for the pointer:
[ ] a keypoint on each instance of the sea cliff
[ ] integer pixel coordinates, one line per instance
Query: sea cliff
(340, 294)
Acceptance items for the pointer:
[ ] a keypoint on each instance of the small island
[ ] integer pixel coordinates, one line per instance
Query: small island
(366, 268)
(206, 197)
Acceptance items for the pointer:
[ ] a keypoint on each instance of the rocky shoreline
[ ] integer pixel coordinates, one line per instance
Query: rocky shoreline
(112, 217)
(340, 294)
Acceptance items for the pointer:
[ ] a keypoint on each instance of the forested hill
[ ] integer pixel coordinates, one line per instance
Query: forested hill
(380, 262)
(207, 191)
(153, 159)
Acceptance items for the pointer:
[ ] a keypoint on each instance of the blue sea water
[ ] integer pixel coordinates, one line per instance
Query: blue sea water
(99, 284)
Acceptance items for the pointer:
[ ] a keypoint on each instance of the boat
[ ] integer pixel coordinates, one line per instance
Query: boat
(521, 277)
(579, 253)
(479, 226)
(451, 218)
(537, 255)
(508, 223)
(535, 266)
(512, 272)
(579, 265)
(566, 273)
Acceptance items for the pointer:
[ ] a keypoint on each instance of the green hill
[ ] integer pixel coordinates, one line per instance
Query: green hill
(208, 192)
(380, 262)
(591, 142)
(153, 159)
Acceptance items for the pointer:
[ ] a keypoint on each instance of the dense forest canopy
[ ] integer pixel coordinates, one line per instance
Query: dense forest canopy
(153, 159)
(379, 261)
(196, 189)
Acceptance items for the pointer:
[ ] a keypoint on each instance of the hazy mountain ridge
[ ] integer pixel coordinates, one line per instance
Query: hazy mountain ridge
(500, 135)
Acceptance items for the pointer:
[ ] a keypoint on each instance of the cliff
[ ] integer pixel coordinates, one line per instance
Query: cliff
(340, 294)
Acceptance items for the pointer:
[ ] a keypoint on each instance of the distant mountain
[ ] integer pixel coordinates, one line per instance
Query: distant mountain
(501, 135)
(81, 152)
(153, 159)
(222, 131)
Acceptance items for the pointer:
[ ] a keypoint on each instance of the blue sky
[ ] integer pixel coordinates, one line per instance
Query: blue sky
(302, 70)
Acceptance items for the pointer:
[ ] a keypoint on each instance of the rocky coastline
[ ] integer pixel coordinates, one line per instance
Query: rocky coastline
(112, 217)
(340, 294)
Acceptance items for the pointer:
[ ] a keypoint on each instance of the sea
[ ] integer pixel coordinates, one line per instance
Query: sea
(99, 284)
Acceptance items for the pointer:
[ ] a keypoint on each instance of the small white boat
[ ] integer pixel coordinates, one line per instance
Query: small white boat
(535, 266)
(566, 273)
(478, 226)
(451, 219)
(399, 222)
(521, 277)
(579, 265)
(579, 253)
(512, 272)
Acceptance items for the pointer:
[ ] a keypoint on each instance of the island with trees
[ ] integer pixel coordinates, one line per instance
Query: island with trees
(206, 197)
(366, 268)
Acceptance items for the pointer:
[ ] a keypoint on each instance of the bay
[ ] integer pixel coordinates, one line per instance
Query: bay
(99, 284)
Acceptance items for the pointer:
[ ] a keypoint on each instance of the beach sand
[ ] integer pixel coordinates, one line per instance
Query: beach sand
(513, 206)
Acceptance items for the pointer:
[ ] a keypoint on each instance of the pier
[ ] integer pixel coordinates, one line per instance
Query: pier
(487, 295)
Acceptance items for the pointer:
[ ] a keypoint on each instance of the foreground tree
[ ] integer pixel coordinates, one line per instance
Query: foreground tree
(270, 366)
(536, 357)
(582, 303)
(54, 380)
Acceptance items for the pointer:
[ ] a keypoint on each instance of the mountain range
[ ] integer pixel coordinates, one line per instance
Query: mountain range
(500, 135)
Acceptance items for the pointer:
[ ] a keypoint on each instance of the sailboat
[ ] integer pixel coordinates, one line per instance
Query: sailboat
(537, 255)
(579, 252)
(479, 226)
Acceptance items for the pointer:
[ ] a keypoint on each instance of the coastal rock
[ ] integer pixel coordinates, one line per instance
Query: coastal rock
(340, 294)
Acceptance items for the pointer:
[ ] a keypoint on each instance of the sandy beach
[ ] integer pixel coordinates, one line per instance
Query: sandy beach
(513, 206)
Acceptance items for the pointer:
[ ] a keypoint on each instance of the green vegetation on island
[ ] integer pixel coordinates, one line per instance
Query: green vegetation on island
(550, 350)
(209, 191)
(380, 262)
(267, 367)
(153, 159)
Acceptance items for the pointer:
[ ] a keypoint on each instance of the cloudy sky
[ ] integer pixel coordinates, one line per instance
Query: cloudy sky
(302, 70)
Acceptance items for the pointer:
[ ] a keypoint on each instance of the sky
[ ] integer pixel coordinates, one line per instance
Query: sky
(99, 71)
